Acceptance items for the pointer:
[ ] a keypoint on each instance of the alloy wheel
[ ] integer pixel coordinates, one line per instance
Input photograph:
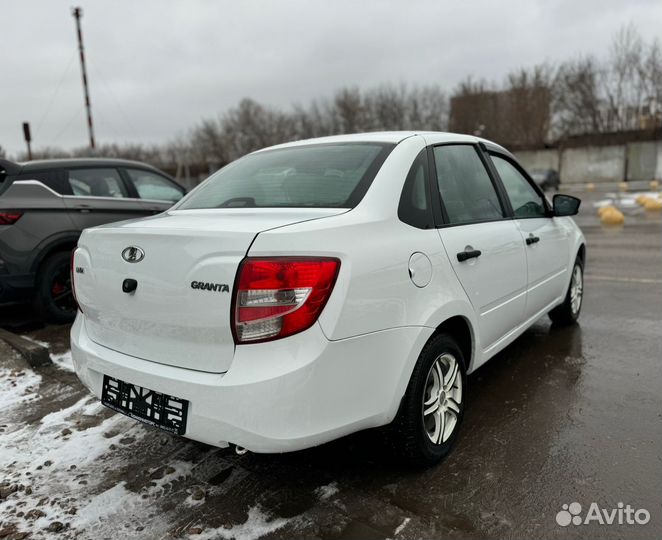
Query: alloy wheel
(576, 289)
(442, 398)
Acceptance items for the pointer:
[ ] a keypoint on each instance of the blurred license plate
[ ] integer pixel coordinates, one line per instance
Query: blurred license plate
(160, 410)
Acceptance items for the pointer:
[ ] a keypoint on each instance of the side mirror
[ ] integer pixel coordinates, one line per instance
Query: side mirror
(566, 205)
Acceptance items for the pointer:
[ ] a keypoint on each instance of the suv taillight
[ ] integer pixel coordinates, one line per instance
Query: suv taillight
(9, 218)
(280, 296)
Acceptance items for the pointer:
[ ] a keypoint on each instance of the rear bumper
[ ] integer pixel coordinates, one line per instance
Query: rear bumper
(278, 396)
(16, 287)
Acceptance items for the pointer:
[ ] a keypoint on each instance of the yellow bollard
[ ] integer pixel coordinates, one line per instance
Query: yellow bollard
(655, 185)
(612, 216)
(623, 186)
(653, 205)
(603, 209)
(590, 187)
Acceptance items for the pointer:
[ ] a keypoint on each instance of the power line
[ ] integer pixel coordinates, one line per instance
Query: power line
(108, 90)
(54, 94)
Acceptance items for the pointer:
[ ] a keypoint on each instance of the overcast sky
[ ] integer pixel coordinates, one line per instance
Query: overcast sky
(156, 68)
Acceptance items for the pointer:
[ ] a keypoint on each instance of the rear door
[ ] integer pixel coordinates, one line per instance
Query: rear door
(99, 196)
(156, 192)
(483, 244)
(546, 242)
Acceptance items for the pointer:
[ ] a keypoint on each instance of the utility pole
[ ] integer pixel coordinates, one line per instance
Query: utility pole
(78, 13)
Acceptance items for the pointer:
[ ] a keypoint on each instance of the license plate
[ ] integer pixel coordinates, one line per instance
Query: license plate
(160, 410)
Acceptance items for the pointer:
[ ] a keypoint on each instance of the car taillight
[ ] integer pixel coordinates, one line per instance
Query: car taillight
(280, 296)
(72, 270)
(9, 218)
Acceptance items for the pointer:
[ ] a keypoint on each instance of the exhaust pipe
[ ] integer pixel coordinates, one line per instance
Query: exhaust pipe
(240, 450)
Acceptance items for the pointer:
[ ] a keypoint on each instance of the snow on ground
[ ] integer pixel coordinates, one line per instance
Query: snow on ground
(402, 526)
(624, 200)
(59, 450)
(58, 464)
(257, 525)
(62, 461)
(327, 491)
(17, 387)
(63, 361)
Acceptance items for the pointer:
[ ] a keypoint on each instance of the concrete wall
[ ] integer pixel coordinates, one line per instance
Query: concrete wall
(636, 161)
(539, 159)
(643, 160)
(593, 164)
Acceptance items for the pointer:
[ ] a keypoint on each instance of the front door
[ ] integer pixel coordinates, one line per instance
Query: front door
(546, 241)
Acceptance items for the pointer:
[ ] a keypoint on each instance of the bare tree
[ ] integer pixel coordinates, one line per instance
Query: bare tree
(623, 83)
(577, 103)
(617, 94)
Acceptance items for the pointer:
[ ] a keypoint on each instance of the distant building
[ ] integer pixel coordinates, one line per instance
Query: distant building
(518, 118)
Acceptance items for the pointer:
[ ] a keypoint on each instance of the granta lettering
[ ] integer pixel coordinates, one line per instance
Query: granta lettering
(205, 286)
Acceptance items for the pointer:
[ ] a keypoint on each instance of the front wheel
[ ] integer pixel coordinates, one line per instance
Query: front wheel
(431, 411)
(568, 312)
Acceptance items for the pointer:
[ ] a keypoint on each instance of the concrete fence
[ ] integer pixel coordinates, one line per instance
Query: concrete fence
(631, 162)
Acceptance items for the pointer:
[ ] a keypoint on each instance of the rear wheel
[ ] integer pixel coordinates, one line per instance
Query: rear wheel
(568, 312)
(54, 297)
(431, 411)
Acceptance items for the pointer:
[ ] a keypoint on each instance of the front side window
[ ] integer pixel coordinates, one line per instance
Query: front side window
(150, 185)
(313, 176)
(525, 200)
(466, 189)
(96, 183)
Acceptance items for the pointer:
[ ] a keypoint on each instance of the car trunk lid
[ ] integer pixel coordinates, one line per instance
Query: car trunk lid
(184, 264)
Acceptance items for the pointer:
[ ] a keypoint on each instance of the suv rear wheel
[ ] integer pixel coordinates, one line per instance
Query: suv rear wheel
(431, 412)
(54, 298)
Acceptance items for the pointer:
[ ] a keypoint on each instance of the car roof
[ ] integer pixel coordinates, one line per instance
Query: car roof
(41, 164)
(393, 137)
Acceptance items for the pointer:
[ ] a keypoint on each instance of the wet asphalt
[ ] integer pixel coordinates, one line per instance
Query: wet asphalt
(562, 415)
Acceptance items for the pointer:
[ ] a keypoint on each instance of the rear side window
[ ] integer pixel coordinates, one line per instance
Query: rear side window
(524, 199)
(466, 189)
(150, 185)
(314, 176)
(101, 182)
(52, 179)
(414, 208)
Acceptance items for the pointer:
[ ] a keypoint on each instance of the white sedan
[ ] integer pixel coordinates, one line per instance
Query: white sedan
(314, 289)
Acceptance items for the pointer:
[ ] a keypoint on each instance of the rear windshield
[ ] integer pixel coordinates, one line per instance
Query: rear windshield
(315, 176)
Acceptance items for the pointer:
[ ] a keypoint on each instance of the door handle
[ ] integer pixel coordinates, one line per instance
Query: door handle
(472, 254)
(532, 240)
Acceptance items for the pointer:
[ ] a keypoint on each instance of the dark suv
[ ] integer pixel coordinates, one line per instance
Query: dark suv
(44, 206)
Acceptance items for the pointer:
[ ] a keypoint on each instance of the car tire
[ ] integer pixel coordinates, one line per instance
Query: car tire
(568, 312)
(422, 439)
(54, 299)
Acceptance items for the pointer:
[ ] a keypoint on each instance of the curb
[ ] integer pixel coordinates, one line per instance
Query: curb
(36, 355)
